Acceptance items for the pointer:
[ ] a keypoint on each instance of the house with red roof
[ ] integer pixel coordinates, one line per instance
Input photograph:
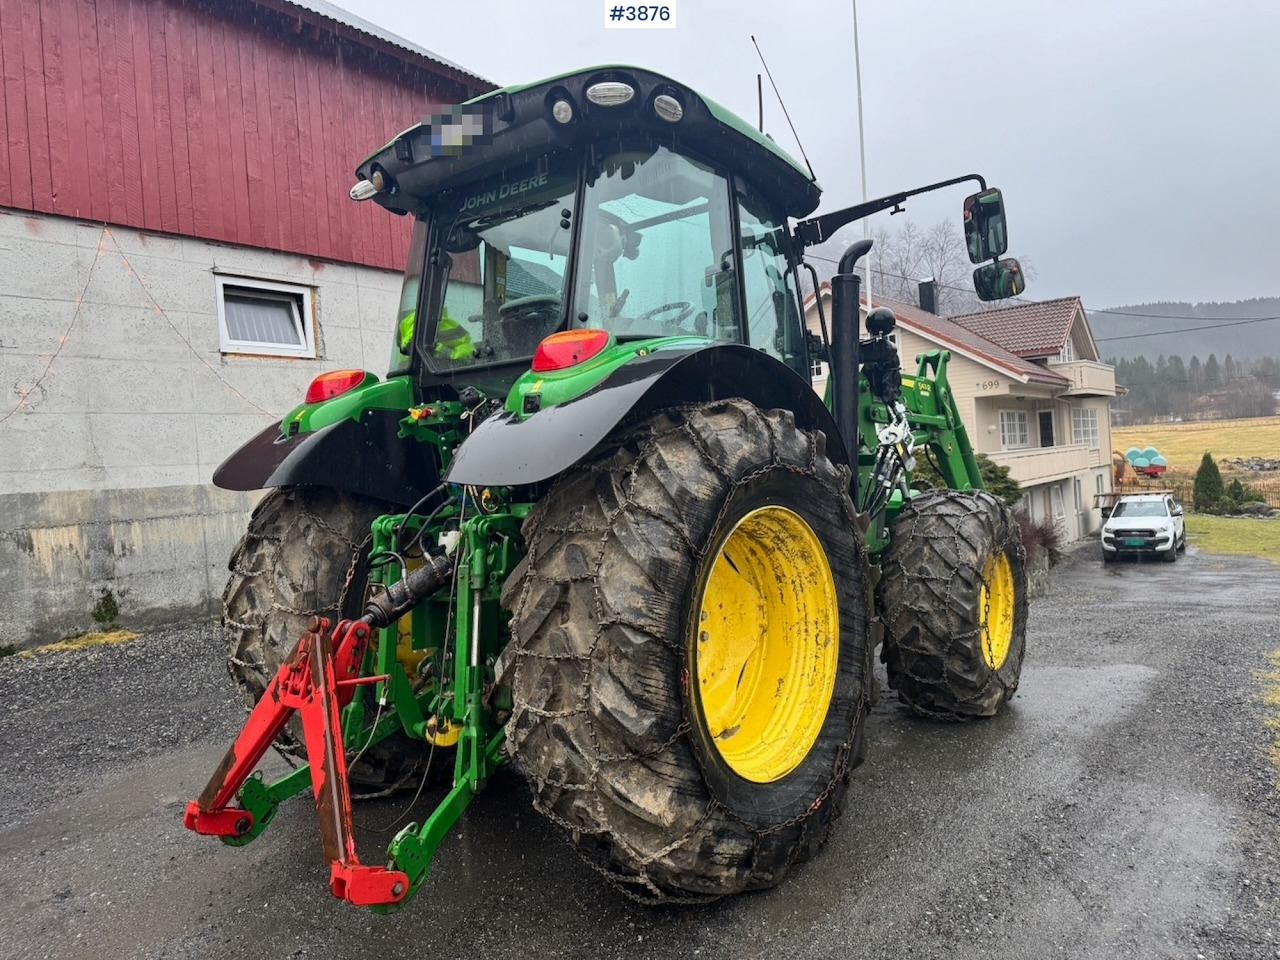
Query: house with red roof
(1031, 391)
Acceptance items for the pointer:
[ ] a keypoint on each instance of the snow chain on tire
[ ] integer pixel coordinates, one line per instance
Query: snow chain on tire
(603, 726)
(932, 594)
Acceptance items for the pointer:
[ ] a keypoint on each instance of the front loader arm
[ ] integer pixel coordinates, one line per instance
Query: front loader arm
(933, 416)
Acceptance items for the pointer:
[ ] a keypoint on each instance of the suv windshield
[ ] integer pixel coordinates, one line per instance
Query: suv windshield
(507, 246)
(1140, 508)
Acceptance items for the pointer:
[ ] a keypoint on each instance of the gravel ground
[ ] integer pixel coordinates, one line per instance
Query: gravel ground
(1125, 806)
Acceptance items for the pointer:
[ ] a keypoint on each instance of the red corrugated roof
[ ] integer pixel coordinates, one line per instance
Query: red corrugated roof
(1029, 329)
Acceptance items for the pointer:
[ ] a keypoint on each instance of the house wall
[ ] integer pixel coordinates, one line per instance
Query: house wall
(230, 121)
(116, 405)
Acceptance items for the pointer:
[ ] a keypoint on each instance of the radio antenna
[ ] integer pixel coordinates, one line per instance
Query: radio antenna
(785, 113)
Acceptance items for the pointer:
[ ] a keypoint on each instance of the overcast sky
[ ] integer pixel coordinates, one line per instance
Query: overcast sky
(1137, 142)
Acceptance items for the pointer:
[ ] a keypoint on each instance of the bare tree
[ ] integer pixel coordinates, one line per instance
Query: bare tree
(903, 256)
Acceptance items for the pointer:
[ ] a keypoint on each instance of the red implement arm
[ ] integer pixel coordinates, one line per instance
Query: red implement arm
(315, 681)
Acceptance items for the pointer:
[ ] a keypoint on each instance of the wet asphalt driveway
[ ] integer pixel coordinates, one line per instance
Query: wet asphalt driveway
(1124, 807)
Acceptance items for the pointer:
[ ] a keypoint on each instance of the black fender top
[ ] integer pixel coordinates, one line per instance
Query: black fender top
(507, 451)
(364, 456)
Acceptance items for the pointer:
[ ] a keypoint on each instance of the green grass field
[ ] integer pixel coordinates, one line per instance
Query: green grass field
(1240, 536)
(1183, 444)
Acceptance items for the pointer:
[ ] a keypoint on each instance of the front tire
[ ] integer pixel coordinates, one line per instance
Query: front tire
(953, 598)
(690, 672)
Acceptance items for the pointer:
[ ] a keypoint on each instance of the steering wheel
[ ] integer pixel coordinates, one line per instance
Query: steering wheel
(684, 307)
(531, 304)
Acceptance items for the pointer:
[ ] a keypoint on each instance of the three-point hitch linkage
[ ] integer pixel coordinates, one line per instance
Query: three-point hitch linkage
(324, 680)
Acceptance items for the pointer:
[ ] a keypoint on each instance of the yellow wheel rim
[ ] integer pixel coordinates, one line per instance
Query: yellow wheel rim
(767, 643)
(996, 611)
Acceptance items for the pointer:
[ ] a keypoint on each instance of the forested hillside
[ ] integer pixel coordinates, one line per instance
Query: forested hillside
(1243, 328)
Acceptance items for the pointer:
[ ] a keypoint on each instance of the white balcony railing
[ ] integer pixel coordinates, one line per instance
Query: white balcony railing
(1044, 464)
(1088, 379)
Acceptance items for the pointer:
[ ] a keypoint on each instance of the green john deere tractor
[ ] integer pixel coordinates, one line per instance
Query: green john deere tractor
(596, 521)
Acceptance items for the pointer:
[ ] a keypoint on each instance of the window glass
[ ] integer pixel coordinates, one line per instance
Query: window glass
(1055, 501)
(506, 243)
(409, 295)
(773, 322)
(1140, 508)
(1013, 428)
(263, 318)
(656, 254)
(1084, 426)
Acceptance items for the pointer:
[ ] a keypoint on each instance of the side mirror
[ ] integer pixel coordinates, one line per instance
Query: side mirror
(995, 281)
(984, 228)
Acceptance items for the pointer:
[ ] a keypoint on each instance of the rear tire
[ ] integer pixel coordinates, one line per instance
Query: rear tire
(640, 594)
(953, 597)
(291, 564)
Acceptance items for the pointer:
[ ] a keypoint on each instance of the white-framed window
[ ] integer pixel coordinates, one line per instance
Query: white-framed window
(1055, 502)
(817, 368)
(264, 317)
(1084, 426)
(1068, 352)
(1013, 428)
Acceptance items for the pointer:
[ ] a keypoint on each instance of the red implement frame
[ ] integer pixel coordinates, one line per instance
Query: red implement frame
(316, 681)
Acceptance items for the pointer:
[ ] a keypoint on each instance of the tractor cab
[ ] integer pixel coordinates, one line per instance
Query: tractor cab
(610, 200)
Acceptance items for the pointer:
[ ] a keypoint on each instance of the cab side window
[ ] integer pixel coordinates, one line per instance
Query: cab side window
(773, 319)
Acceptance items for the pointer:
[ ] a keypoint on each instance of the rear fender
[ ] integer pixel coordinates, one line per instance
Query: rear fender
(363, 455)
(508, 450)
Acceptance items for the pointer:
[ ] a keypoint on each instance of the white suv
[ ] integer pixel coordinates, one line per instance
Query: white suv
(1144, 523)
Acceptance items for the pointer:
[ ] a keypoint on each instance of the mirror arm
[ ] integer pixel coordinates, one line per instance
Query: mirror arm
(817, 229)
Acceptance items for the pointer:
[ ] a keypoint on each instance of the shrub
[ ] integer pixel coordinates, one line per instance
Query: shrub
(1038, 536)
(994, 477)
(1208, 489)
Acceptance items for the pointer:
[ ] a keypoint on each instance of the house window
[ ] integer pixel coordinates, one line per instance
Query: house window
(817, 369)
(1013, 428)
(264, 318)
(1055, 501)
(1068, 352)
(1084, 426)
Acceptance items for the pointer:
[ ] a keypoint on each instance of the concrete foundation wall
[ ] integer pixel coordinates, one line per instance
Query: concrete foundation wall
(116, 406)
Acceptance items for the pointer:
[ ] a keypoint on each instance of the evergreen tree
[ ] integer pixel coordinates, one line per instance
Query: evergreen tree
(1208, 489)
(1211, 372)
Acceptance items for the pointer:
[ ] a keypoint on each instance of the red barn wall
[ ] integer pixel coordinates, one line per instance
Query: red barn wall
(234, 120)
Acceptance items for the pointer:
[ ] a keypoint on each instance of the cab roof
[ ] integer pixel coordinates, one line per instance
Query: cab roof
(515, 124)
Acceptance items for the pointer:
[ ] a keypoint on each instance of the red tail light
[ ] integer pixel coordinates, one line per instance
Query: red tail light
(332, 383)
(570, 347)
